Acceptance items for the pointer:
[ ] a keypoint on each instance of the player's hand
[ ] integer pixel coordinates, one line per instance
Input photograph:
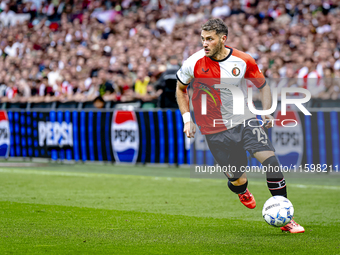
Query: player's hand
(268, 120)
(190, 129)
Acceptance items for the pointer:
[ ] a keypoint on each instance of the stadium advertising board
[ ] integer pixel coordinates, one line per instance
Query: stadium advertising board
(288, 142)
(4, 135)
(55, 133)
(125, 136)
(155, 137)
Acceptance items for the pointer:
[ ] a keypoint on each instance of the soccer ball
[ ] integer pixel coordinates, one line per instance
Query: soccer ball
(278, 211)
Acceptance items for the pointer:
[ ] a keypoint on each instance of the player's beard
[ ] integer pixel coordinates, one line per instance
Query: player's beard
(218, 49)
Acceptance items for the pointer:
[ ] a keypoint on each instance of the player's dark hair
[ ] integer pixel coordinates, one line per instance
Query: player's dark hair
(216, 25)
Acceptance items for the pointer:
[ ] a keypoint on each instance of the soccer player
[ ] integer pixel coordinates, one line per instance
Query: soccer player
(229, 135)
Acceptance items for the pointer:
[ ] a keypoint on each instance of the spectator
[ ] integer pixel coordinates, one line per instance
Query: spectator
(106, 89)
(53, 75)
(122, 58)
(220, 10)
(99, 102)
(166, 87)
(310, 78)
(331, 90)
(7, 16)
(24, 90)
(11, 49)
(141, 83)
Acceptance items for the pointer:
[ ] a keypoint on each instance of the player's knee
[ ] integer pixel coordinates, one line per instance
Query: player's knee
(239, 179)
(263, 155)
(271, 161)
(238, 182)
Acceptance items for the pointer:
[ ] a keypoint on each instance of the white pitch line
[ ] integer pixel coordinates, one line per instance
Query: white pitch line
(91, 175)
(17, 171)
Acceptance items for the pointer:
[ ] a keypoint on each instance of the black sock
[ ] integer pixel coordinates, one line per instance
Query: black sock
(275, 180)
(238, 189)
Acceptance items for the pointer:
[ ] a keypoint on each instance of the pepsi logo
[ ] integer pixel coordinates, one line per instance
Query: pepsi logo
(288, 139)
(55, 133)
(4, 135)
(125, 136)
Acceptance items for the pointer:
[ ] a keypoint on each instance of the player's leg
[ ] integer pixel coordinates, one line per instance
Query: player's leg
(231, 155)
(239, 187)
(277, 184)
(238, 182)
(256, 141)
(275, 180)
(258, 144)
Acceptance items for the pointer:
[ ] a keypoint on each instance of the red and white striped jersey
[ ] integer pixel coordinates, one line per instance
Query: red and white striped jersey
(233, 70)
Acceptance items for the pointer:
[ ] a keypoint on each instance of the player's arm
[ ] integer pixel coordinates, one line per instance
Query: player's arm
(183, 104)
(182, 97)
(266, 100)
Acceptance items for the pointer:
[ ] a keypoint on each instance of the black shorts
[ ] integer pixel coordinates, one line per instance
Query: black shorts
(229, 147)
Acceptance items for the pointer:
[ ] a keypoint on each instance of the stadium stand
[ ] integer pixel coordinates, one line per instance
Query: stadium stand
(71, 52)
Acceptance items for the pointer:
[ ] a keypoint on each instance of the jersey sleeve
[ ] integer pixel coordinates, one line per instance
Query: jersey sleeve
(185, 74)
(254, 74)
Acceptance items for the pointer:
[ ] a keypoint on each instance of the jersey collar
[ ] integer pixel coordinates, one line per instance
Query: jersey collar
(230, 53)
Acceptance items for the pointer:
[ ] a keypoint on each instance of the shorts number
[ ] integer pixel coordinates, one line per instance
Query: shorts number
(261, 135)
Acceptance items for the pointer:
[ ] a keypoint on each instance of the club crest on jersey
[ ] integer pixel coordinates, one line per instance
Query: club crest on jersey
(236, 71)
(205, 71)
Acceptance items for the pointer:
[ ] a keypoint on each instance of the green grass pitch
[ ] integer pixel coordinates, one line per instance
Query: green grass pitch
(106, 209)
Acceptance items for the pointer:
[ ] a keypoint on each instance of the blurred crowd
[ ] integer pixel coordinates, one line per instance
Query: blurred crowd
(77, 50)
